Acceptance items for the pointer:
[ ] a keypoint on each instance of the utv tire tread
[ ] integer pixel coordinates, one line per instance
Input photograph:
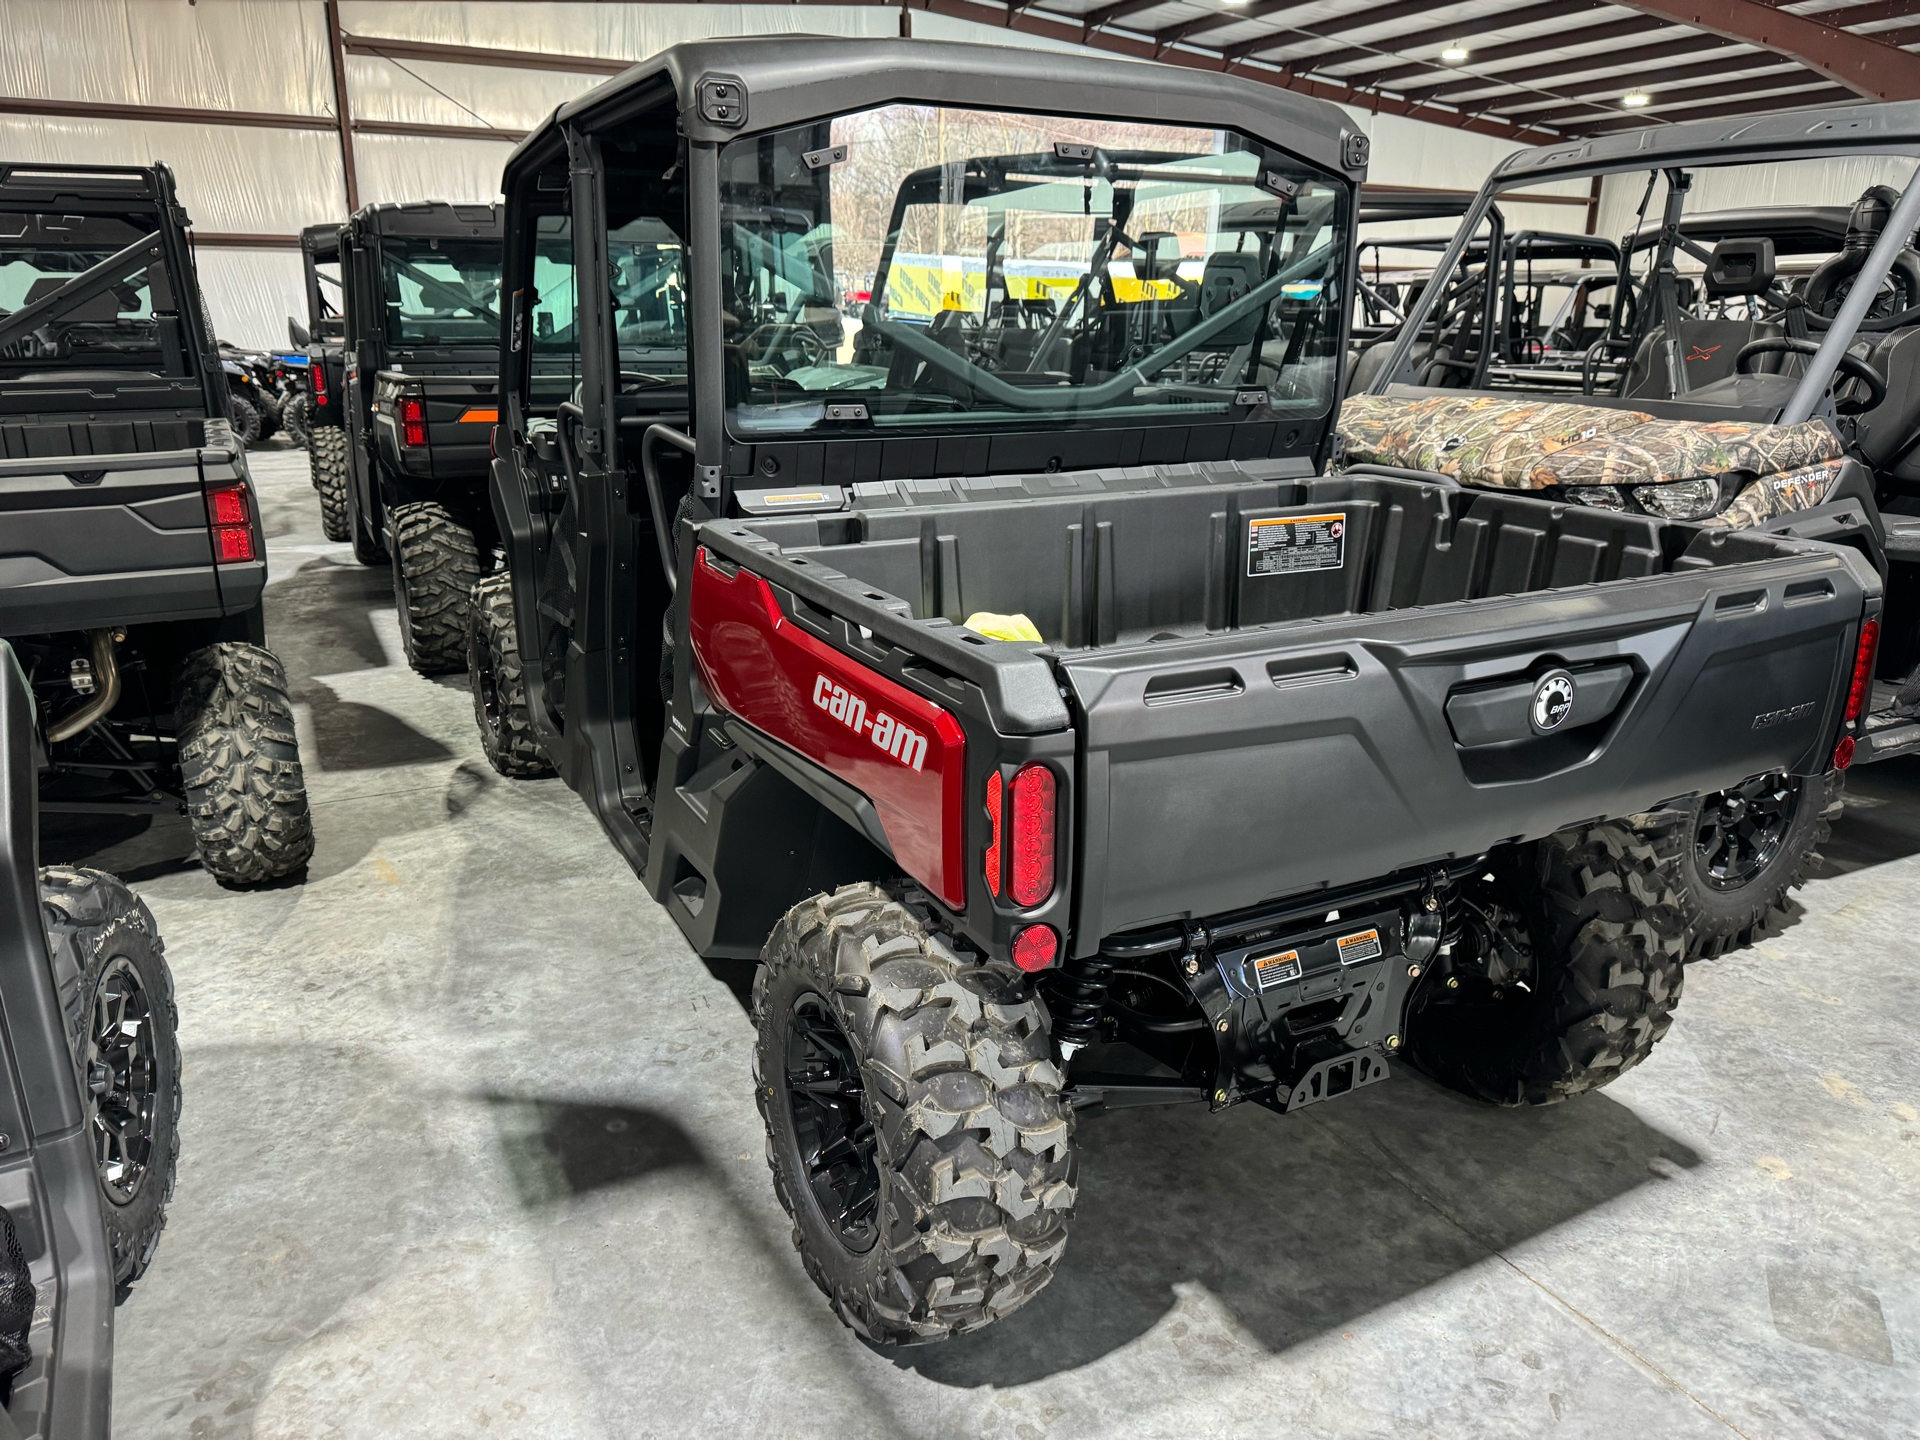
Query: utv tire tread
(327, 461)
(91, 917)
(240, 764)
(1607, 937)
(436, 562)
(974, 1143)
(493, 652)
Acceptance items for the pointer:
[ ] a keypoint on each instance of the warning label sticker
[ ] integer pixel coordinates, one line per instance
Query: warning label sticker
(1286, 544)
(1277, 969)
(1361, 946)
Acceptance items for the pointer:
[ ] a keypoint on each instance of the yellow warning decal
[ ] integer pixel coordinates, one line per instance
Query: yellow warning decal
(1277, 969)
(1290, 544)
(797, 498)
(1361, 946)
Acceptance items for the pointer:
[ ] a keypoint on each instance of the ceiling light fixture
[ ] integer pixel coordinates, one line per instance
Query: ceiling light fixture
(1634, 99)
(1454, 54)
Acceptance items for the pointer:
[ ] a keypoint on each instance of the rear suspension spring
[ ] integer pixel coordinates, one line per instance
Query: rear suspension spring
(1077, 994)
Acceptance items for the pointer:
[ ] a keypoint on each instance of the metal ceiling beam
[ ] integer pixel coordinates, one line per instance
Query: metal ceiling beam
(1322, 29)
(1513, 50)
(479, 55)
(1612, 87)
(1804, 100)
(1444, 87)
(438, 132)
(1393, 45)
(180, 114)
(1119, 10)
(993, 12)
(1864, 65)
(343, 112)
(1586, 112)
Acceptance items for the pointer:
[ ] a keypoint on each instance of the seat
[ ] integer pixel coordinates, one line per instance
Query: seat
(1227, 276)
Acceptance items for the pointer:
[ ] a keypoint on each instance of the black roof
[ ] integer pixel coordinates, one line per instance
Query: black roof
(48, 182)
(790, 79)
(429, 218)
(1794, 229)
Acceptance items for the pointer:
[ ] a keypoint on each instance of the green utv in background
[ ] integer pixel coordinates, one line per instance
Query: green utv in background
(420, 338)
(89, 1106)
(131, 555)
(1753, 370)
(1305, 774)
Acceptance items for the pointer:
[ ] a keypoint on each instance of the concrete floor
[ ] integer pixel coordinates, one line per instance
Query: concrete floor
(469, 1150)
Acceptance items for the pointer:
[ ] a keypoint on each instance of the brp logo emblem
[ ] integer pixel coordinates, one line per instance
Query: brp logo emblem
(1553, 700)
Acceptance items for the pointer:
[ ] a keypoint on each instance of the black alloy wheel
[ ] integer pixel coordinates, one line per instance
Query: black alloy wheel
(1741, 831)
(827, 1103)
(123, 1081)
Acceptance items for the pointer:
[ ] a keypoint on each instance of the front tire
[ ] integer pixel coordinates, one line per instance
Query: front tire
(116, 995)
(1584, 977)
(240, 764)
(327, 462)
(436, 562)
(498, 683)
(1744, 850)
(296, 414)
(244, 415)
(915, 1127)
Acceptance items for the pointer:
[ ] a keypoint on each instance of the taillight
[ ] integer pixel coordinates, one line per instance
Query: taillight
(1035, 947)
(413, 421)
(1860, 687)
(1033, 835)
(232, 523)
(317, 375)
(993, 861)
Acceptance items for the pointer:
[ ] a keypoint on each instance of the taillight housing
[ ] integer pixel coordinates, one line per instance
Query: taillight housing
(1031, 835)
(317, 378)
(1860, 688)
(231, 518)
(413, 420)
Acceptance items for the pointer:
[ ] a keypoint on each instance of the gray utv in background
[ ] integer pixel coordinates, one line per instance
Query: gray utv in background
(1753, 370)
(420, 341)
(964, 638)
(131, 555)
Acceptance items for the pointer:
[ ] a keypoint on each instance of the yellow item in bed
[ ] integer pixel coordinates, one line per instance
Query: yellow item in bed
(1002, 627)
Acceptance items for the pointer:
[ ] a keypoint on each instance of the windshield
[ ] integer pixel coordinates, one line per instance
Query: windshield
(940, 267)
(84, 290)
(441, 292)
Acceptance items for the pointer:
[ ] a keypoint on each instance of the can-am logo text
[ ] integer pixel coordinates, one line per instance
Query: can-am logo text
(909, 747)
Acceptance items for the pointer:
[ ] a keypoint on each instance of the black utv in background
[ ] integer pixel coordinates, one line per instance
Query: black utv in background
(131, 556)
(967, 638)
(323, 400)
(89, 1097)
(420, 340)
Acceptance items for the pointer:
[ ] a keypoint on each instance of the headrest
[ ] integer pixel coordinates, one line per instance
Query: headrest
(1740, 267)
(1869, 216)
(1227, 276)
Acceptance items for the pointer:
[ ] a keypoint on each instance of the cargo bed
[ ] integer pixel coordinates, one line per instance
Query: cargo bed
(1281, 684)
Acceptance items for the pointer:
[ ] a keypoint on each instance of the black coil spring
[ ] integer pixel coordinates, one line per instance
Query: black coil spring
(1077, 994)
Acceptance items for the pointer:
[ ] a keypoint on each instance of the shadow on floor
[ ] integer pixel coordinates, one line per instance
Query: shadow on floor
(557, 1149)
(1882, 821)
(1299, 1224)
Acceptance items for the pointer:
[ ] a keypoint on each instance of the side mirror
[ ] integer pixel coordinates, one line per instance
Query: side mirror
(1604, 312)
(297, 333)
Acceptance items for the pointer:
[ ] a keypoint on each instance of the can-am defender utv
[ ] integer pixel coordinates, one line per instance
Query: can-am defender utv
(1757, 371)
(422, 360)
(131, 555)
(1304, 773)
(322, 413)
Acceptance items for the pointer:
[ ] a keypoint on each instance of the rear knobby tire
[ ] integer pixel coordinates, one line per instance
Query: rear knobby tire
(240, 764)
(499, 686)
(327, 461)
(116, 999)
(971, 1145)
(296, 414)
(244, 416)
(436, 563)
(1722, 917)
(1603, 925)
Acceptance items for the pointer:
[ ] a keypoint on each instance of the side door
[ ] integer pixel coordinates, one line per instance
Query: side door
(48, 1189)
(359, 281)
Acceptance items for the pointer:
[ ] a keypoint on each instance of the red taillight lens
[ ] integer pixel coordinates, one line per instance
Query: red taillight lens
(1035, 948)
(1033, 827)
(317, 373)
(1862, 685)
(413, 421)
(993, 861)
(1844, 753)
(232, 522)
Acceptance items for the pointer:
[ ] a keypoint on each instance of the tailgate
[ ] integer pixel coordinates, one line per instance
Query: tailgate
(1221, 772)
(87, 540)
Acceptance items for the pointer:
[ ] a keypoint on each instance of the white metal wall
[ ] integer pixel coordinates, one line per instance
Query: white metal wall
(271, 56)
